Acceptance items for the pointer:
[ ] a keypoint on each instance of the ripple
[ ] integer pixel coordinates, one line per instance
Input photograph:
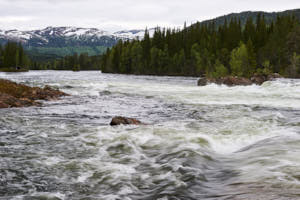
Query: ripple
(212, 142)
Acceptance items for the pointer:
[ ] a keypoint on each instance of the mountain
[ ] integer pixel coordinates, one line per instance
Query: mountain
(68, 36)
(54, 42)
(243, 16)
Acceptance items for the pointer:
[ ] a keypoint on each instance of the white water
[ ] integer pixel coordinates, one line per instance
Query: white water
(212, 142)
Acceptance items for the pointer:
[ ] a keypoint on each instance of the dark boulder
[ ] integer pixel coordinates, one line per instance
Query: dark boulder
(274, 76)
(125, 121)
(258, 79)
(202, 82)
(234, 80)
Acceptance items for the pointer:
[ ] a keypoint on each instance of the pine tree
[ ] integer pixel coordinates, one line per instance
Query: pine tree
(239, 58)
(250, 68)
(293, 69)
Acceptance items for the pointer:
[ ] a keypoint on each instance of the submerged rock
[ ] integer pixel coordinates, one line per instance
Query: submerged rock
(228, 80)
(19, 95)
(234, 80)
(258, 79)
(203, 82)
(125, 121)
(274, 76)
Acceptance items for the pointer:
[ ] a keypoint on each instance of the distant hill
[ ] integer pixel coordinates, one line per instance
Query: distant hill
(243, 16)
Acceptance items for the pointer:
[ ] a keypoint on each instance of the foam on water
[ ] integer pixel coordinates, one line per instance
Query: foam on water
(212, 142)
(272, 94)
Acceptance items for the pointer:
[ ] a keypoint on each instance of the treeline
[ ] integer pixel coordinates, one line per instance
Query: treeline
(214, 51)
(74, 62)
(43, 54)
(13, 57)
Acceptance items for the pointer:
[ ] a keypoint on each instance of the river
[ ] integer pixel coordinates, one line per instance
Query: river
(212, 142)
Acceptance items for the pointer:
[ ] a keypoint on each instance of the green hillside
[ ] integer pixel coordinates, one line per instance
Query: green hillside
(262, 45)
(49, 53)
(243, 16)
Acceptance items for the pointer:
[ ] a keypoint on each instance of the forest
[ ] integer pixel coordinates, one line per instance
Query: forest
(208, 49)
(13, 58)
(212, 51)
(75, 62)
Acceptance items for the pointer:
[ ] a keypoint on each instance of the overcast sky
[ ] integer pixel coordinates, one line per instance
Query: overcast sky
(114, 15)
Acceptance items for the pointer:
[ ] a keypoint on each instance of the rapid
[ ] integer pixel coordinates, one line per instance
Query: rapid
(212, 142)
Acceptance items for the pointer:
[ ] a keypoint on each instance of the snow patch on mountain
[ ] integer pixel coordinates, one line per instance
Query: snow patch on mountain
(15, 34)
(71, 36)
(71, 32)
(134, 34)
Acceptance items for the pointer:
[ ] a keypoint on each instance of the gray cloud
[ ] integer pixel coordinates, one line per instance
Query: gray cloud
(117, 14)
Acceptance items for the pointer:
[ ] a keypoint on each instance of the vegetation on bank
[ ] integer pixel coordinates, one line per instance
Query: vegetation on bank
(74, 62)
(210, 49)
(13, 58)
(43, 54)
(205, 49)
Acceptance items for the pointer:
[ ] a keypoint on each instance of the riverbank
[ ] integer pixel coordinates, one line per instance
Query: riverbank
(18, 95)
(13, 70)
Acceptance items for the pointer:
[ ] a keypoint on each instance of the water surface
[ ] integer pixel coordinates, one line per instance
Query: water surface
(212, 142)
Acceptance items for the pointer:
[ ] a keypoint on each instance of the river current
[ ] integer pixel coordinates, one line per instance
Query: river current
(212, 142)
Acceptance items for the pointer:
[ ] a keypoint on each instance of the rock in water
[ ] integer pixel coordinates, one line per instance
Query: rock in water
(202, 82)
(274, 76)
(228, 80)
(19, 95)
(125, 121)
(258, 79)
(234, 80)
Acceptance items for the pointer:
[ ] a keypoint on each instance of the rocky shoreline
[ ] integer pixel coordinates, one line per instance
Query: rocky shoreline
(242, 81)
(18, 95)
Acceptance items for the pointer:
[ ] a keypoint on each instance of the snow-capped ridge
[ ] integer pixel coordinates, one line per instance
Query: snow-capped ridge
(70, 31)
(70, 36)
(134, 34)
